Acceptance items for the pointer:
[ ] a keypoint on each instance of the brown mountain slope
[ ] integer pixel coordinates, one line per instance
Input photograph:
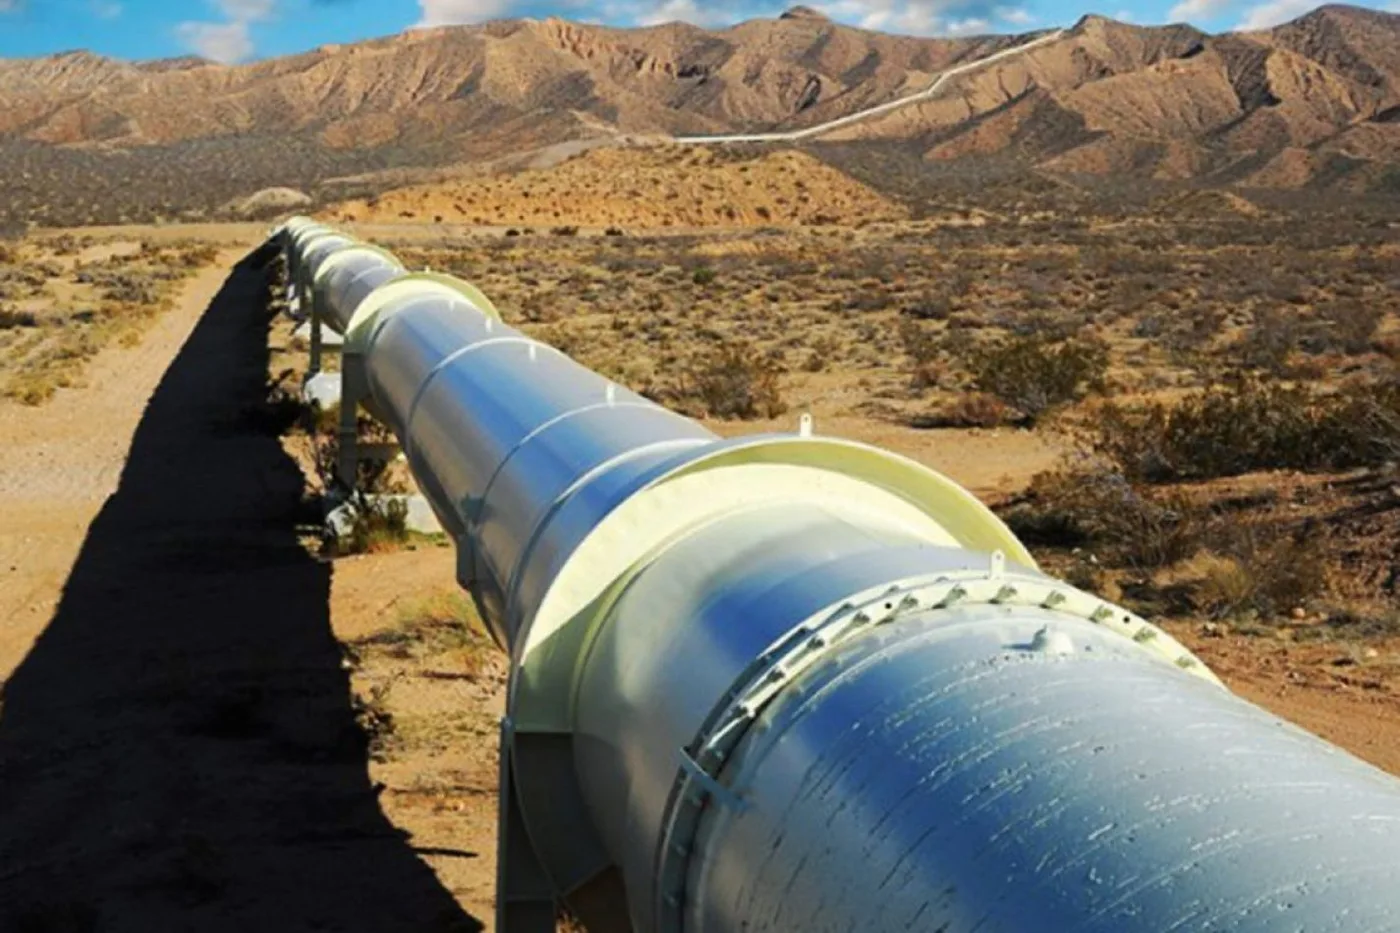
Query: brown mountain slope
(1166, 102)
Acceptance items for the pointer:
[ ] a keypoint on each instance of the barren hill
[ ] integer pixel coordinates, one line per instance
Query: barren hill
(1315, 102)
(645, 189)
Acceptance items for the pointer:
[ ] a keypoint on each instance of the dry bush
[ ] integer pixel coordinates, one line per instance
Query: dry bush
(928, 307)
(1258, 573)
(1270, 342)
(11, 319)
(732, 381)
(1349, 327)
(1124, 524)
(968, 410)
(1252, 426)
(1035, 376)
(921, 346)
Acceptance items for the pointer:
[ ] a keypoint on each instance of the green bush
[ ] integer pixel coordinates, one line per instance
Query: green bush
(376, 525)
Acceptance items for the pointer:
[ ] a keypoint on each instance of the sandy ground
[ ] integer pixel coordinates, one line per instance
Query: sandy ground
(179, 744)
(63, 459)
(185, 686)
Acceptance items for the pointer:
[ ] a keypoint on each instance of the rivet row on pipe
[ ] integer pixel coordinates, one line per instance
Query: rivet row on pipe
(795, 683)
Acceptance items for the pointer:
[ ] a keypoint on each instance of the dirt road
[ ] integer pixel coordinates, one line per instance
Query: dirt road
(178, 748)
(63, 459)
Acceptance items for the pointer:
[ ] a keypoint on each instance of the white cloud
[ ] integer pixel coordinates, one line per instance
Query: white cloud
(1276, 11)
(106, 9)
(922, 17)
(684, 11)
(1015, 15)
(457, 12)
(229, 41)
(970, 26)
(221, 42)
(1188, 11)
(1125, 16)
(246, 11)
(10, 6)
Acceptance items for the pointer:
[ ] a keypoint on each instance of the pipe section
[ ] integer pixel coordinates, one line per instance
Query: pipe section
(794, 683)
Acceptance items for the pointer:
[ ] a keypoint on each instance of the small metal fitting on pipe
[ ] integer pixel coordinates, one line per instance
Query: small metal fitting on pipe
(794, 683)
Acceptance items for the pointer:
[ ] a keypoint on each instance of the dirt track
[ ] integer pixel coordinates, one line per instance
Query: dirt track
(178, 750)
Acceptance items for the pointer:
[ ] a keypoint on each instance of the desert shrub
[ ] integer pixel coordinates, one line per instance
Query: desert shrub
(922, 346)
(194, 257)
(11, 318)
(1252, 426)
(866, 300)
(1350, 326)
(127, 289)
(565, 230)
(928, 308)
(1255, 572)
(969, 410)
(34, 387)
(1035, 376)
(703, 276)
(1125, 524)
(734, 381)
(376, 524)
(1270, 341)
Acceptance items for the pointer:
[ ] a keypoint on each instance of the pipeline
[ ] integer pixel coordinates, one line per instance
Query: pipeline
(795, 683)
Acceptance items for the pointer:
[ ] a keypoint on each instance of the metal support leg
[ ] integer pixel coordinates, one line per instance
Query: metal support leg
(352, 390)
(316, 344)
(524, 896)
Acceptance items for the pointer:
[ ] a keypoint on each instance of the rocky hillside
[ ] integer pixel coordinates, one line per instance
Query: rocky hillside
(1314, 103)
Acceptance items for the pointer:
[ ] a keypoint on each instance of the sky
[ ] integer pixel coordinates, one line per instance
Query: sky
(245, 30)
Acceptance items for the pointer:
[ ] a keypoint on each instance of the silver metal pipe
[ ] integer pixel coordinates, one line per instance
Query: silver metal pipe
(793, 683)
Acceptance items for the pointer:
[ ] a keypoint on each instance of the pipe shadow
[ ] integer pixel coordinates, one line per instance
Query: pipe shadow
(179, 750)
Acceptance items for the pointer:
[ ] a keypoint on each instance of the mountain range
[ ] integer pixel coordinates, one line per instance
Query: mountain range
(1314, 103)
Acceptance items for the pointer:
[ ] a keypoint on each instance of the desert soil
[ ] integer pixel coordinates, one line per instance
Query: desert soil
(194, 724)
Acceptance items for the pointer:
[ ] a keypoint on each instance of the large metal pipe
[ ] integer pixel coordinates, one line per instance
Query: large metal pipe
(793, 683)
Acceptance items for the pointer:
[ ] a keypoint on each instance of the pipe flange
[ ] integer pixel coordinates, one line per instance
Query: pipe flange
(698, 783)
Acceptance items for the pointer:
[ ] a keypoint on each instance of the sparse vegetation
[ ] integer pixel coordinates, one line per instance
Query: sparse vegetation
(375, 524)
(1123, 524)
(1036, 376)
(1250, 426)
(1131, 336)
(733, 381)
(70, 297)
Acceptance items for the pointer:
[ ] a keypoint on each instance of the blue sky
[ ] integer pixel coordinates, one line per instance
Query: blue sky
(241, 30)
